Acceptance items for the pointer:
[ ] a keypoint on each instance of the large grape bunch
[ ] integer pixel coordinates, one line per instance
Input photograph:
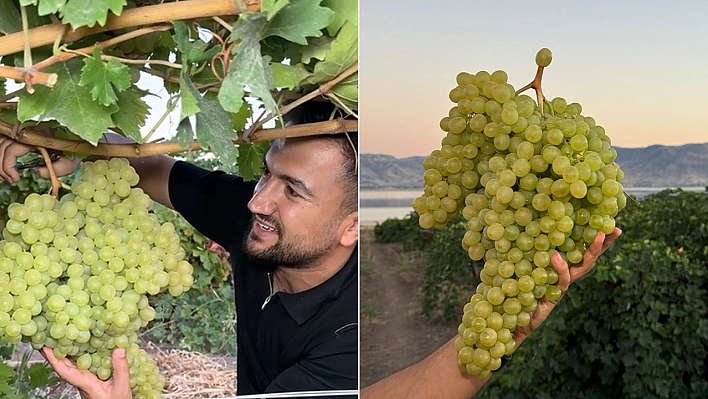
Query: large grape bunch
(75, 274)
(529, 184)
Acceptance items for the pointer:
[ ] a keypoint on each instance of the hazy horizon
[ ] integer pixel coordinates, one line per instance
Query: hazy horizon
(636, 67)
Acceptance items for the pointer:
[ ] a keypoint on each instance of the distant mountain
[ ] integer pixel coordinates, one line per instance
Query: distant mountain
(653, 166)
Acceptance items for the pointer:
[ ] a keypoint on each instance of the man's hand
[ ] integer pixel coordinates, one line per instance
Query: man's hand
(10, 150)
(88, 384)
(566, 277)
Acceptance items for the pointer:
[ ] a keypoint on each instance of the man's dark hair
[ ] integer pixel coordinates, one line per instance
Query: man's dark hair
(347, 143)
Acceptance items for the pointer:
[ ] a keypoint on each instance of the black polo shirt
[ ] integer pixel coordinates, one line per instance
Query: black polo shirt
(294, 342)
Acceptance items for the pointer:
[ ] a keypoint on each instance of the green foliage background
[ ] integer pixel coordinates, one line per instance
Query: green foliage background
(635, 327)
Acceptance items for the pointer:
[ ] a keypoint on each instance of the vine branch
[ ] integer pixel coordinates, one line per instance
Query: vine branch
(129, 18)
(323, 89)
(37, 139)
(67, 55)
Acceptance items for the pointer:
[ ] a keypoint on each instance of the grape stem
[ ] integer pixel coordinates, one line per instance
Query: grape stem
(129, 18)
(38, 139)
(56, 184)
(322, 90)
(536, 85)
(67, 55)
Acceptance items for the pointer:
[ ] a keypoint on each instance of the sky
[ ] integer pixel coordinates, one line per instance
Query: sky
(639, 68)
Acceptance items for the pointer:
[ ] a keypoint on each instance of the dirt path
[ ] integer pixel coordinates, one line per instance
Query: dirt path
(394, 334)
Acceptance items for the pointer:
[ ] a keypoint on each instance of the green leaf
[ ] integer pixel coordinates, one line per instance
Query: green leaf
(248, 67)
(344, 10)
(271, 7)
(316, 48)
(103, 77)
(26, 3)
(214, 130)
(68, 103)
(47, 7)
(80, 13)
(250, 159)
(188, 101)
(299, 20)
(348, 91)
(288, 76)
(239, 119)
(6, 372)
(342, 55)
(10, 21)
(40, 376)
(191, 51)
(132, 113)
(185, 133)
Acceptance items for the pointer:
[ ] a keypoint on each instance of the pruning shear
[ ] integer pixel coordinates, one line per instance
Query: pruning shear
(36, 162)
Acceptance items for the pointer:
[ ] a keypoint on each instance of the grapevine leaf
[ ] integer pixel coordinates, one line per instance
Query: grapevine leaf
(26, 3)
(40, 375)
(214, 130)
(344, 10)
(10, 21)
(80, 13)
(316, 48)
(132, 113)
(185, 133)
(188, 101)
(3, 90)
(271, 7)
(6, 373)
(191, 51)
(103, 77)
(300, 20)
(8, 116)
(342, 55)
(47, 7)
(348, 91)
(288, 76)
(68, 103)
(248, 67)
(239, 119)
(250, 159)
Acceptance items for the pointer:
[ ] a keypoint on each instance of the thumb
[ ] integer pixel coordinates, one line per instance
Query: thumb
(121, 370)
(62, 167)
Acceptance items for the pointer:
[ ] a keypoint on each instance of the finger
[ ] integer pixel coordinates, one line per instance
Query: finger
(67, 370)
(3, 145)
(591, 254)
(62, 167)
(10, 154)
(563, 272)
(610, 239)
(121, 371)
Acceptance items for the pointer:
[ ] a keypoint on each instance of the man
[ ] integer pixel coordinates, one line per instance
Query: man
(437, 376)
(293, 243)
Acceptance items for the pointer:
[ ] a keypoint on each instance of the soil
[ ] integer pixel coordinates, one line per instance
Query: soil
(394, 333)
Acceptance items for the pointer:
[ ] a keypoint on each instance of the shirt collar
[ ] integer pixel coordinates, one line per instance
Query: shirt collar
(303, 305)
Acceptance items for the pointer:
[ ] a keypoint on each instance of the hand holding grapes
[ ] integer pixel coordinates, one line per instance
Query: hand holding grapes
(567, 275)
(88, 384)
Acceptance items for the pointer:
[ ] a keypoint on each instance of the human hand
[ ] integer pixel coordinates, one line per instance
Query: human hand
(90, 387)
(566, 277)
(10, 150)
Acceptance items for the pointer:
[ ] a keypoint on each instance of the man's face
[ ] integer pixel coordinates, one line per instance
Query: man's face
(296, 205)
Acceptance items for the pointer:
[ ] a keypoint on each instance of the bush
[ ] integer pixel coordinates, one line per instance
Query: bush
(450, 275)
(405, 231)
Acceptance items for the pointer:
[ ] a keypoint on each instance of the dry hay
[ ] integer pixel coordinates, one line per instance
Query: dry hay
(188, 375)
(194, 375)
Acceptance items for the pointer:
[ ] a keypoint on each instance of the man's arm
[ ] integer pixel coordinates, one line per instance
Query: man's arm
(437, 376)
